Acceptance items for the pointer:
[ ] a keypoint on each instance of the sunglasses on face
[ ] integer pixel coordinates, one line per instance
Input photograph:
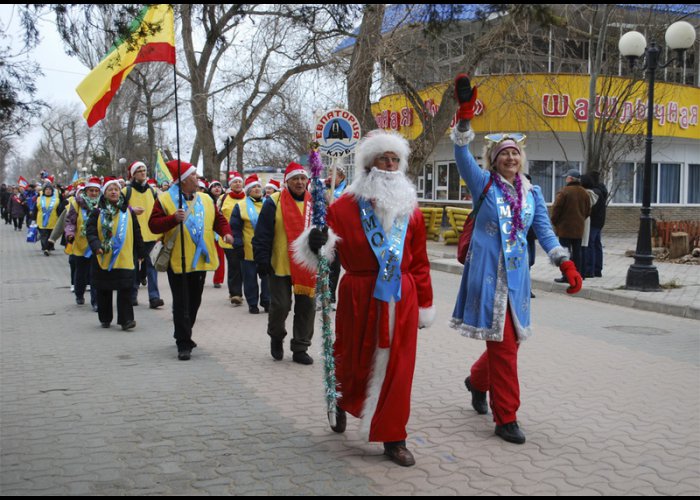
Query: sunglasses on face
(517, 137)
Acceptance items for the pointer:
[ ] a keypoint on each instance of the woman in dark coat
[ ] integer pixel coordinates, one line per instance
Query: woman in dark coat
(16, 208)
(114, 236)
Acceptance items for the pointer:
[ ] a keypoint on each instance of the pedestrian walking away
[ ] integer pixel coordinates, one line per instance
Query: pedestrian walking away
(385, 295)
(493, 300)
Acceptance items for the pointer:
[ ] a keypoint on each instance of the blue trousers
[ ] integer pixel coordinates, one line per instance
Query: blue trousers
(250, 285)
(594, 253)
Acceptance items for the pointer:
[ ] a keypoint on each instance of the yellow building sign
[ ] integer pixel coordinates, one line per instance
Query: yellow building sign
(556, 103)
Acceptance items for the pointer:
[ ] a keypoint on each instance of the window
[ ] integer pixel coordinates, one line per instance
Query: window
(428, 181)
(623, 183)
(541, 173)
(694, 183)
(670, 183)
(441, 186)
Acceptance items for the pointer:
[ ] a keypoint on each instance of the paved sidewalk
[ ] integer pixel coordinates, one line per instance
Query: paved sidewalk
(610, 403)
(681, 297)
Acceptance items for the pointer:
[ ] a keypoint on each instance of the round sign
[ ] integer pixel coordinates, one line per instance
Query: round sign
(337, 132)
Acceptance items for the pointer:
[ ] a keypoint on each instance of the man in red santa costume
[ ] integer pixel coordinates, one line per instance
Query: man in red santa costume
(385, 295)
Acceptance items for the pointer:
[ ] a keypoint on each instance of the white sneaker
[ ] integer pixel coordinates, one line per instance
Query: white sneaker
(72, 288)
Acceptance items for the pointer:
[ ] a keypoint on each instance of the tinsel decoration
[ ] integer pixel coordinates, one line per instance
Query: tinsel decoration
(322, 286)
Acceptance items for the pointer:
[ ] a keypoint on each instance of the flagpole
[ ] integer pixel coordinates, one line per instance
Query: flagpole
(183, 262)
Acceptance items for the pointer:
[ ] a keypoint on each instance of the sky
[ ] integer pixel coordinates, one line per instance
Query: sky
(61, 72)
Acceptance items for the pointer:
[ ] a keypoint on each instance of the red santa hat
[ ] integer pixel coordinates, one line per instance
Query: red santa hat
(214, 183)
(294, 169)
(251, 182)
(79, 187)
(377, 142)
(109, 181)
(135, 166)
(186, 169)
(152, 182)
(232, 176)
(273, 183)
(202, 183)
(93, 182)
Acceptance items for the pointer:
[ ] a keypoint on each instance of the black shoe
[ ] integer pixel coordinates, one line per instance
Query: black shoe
(184, 355)
(254, 310)
(532, 295)
(511, 433)
(561, 280)
(277, 349)
(341, 420)
(129, 325)
(478, 398)
(155, 303)
(46, 252)
(144, 282)
(399, 454)
(105, 325)
(266, 307)
(134, 302)
(80, 301)
(302, 358)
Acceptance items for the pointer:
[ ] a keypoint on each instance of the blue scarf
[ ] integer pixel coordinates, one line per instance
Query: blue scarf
(388, 251)
(252, 211)
(46, 212)
(194, 224)
(339, 190)
(119, 236)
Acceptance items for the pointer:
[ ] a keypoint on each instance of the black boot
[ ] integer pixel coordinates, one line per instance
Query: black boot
(478, 398)
(341, 420)
(511, 433)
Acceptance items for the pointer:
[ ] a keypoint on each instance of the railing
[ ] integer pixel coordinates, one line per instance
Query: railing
(664, 229)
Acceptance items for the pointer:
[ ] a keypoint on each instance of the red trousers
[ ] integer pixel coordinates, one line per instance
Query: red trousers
(496, 371)
(221, 270)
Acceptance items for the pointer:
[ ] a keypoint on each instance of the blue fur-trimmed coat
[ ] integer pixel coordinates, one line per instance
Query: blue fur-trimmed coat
(496, 272)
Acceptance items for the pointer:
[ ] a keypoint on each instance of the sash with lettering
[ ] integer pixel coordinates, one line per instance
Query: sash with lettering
(303, 281)
(119, 236)
(514, 252)
(46, 212)
(194, 224)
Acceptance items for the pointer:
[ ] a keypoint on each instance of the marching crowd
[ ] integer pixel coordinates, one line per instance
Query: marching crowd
(375, 232)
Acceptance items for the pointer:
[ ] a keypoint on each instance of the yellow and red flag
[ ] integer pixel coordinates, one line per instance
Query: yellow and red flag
(151, 38)
(162, 171)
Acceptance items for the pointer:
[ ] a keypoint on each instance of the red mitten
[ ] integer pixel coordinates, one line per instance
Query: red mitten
(466, 97)
(569, 271)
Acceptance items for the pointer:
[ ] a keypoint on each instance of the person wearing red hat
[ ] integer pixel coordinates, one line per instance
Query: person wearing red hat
(385, 295)
(141, 197)
(48, 207)
(114, 237)
(234, 253)
(191, 227)
(243, 220)
(215, 191)
(79, 211)
(283, 218)
(272, 186)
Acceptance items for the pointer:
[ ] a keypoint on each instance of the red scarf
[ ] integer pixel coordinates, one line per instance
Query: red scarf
(237, 196)
(303, 281)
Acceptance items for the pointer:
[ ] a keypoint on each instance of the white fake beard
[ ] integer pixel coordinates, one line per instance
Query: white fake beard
(391, 193)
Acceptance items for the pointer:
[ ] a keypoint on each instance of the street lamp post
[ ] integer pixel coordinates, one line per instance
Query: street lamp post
(642, 275)
(229, 135)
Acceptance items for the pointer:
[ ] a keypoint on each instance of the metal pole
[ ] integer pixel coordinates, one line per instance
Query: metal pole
(643, 275)
(228, 160)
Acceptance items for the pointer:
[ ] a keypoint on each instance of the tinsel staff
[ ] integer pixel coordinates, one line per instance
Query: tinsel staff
(322, 285)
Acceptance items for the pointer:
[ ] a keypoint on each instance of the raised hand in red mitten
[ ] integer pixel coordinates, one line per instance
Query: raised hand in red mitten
(568, 269)
(466, 97)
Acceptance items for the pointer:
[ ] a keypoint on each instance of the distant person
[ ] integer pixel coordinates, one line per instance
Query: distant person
(594, 255)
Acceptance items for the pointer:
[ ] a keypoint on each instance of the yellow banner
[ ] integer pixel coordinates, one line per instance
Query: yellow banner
(556, 103)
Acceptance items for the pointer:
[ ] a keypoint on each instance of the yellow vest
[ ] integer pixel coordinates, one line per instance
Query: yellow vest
(226, 210)
(80, 243)
(40, 212)
(125, 259)
(280, 250)
(166, 201)
(145, 200)
(248, 230)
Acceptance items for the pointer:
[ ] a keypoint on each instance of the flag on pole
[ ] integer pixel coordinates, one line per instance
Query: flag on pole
(75, 177)
(162, 171)
(151, 38)
(22, 182)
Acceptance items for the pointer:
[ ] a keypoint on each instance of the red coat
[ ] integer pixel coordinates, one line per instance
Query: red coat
(359, 321)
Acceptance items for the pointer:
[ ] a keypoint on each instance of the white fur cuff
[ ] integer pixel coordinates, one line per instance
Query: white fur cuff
(426, 316)
(557, 255)
(462, 138)
(305, 257)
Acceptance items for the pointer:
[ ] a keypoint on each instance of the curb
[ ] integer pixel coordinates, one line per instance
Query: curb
(605, 296)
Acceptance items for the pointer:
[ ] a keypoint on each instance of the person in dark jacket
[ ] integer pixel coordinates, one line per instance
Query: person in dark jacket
(114, 236)
(571, 207)
(594, 255)
(16, 208)
(5, 193)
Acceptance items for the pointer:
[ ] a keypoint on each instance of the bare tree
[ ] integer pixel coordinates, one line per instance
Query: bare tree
(67, 138)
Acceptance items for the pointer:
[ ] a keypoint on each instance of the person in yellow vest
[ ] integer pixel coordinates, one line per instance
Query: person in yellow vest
(282, 219)
(141, 197)
(234, 253)
(216, 191)
(48, 207)
(114, 237)
(243, 220)
(200, 219)
(79, 211)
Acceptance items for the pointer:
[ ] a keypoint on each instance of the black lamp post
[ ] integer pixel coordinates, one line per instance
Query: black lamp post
(229, 137)
(642, 275)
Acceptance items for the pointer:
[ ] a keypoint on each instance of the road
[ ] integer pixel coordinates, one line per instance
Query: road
(610, 403)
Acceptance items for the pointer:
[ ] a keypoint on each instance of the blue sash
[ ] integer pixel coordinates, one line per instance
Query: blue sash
(194, 224)
(388, 251)
(88, 250)
(118, 238)
(514, 252)
(252, 211)
(339, 190)
(46, 213)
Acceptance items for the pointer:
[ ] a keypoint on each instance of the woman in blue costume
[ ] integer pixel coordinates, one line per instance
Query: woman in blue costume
(493, 302)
